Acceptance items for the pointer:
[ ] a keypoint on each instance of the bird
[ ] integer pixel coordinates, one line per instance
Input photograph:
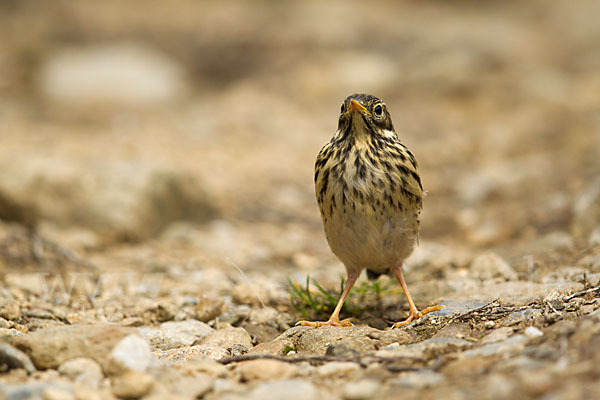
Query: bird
(370, 196)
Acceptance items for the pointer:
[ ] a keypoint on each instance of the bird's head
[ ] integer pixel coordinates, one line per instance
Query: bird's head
(365, 114)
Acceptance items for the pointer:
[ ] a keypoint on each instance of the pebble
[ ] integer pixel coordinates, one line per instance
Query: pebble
(171, 335)
(288, 389)
(507, 346)
(338, 369)
(227, 338)
(132, 353)
(209, 308)
(82, 370)
(497, 335)
(132, 385)
(362, 389)
(533, 332)
(265, 370)
(11, 357)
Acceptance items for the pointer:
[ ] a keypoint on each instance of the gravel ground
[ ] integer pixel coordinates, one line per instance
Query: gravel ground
(156, 199)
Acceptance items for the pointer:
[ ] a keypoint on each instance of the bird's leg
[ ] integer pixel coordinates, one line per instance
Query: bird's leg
(334, 320)
(414, 313)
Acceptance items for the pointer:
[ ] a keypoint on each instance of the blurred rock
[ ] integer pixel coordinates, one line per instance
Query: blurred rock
(49, 348)
(11, 357)
(276, 347)
(490, 266)
(36, 391)
(132, 385)
(587, 211)
(132, 353)
(289, 389)
(170, 335)
(123, 198)
(497, 335)
(361, 389)
(339, 370)
(116, 74)
(308, 340)
(203, 352)
(227, 337)
(266, 370)
(506, 347)
(209, 308)
(83, 371)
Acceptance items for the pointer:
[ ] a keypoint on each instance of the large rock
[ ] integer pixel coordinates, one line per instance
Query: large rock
(126, 198)
(308, 340)
(49, 348)
(118, 74)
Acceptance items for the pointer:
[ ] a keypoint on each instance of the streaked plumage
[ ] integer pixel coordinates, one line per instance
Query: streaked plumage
(370, 194)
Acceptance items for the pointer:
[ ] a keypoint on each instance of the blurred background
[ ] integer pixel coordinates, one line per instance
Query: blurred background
(191, 127)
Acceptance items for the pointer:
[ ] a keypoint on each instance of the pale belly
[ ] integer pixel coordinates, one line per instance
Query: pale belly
(361, 241)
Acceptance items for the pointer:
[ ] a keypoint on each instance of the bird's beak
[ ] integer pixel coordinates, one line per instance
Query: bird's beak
(356, 106)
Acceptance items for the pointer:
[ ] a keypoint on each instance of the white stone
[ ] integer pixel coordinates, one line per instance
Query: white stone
(362, 389)
(132, 353)
(532, 332)
(288, 389)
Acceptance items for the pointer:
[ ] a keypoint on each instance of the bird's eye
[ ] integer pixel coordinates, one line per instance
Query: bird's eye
(343, 107)
(378, 110)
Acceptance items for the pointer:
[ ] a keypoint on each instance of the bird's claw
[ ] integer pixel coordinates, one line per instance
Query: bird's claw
(416, 315)
(331, 322)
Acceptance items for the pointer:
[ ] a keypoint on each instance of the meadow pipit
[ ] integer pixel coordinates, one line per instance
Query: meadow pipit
(370, 195)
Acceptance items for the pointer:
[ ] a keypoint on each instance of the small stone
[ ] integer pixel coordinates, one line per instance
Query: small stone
(288, 389)
(533, 332)
(362, 389)
(56, 393)
(227, 338)
(489, 324)
(132, 353)
(132, 385)
(238, 349)
(276, 347)
(420, 379)
(209, 308)
(497, 335)
(84, 371)
(182, 354)
(11, 357)
(338, 369)
(511, 345)
(490, 266)
(171, 335)
(265, 370)
(12, 311)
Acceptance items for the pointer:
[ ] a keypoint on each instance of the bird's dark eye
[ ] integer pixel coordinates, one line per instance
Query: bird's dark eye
(378, 110)
(343, 107)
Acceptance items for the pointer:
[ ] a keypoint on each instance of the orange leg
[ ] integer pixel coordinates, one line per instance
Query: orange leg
(334, 320)
(414, 313)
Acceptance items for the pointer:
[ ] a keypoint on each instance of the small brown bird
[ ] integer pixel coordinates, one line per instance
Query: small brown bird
(370, 196)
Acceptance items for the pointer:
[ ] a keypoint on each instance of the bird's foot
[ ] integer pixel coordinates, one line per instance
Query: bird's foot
(416, 314)
(330, 322)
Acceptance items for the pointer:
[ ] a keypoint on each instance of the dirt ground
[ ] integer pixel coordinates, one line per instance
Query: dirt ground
(158, 220)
